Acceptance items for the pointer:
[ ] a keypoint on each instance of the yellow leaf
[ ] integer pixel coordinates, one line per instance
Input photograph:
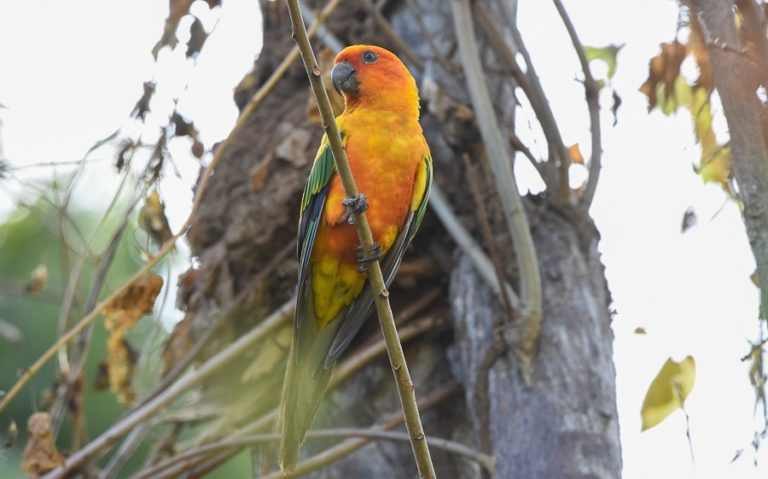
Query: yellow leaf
(716, 168)
(755, 279)
(575, 154)
(641, 331)
(668, 391)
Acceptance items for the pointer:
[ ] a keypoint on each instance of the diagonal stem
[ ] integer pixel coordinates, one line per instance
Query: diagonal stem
(381, 295)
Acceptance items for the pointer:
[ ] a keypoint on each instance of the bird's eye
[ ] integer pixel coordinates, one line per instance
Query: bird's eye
(369, 57)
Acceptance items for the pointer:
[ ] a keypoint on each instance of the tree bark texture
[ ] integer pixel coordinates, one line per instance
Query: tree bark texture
(737, 81)
(564, 424)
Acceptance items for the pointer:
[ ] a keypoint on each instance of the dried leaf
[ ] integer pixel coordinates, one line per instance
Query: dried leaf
(139, 299)
(605, 54)
(182, 126)
(126, 147)
(40, 454)
(640, 331)
(176, 10)
(668, 391)
(120, 316)
(11, 435)
(689, 220)
(197, 38)
(663, 71)
(755, 278)
(39, 280)
(141, 108)
(615, 107)
(152, 219)
(575, 154)
(120, 366)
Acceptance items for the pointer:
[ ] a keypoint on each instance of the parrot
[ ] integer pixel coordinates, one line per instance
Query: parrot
(392, 167)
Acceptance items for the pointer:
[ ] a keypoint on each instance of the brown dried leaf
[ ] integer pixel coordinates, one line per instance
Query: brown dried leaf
(126, 310)
(182, 126)
(689, 220)
(40, 454)
(663, 70)
(142, 106)
(197, 38)
(640, 331)
(152, 219)
(39, 280)
(176, 10)
(120, 366)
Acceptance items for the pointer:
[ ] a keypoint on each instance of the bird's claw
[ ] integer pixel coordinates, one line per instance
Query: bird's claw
(352, 206)
(374, 254)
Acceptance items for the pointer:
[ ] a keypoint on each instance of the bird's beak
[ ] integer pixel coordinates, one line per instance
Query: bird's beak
(344, 78)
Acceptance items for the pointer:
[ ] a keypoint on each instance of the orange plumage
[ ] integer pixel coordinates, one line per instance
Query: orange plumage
(390, 162)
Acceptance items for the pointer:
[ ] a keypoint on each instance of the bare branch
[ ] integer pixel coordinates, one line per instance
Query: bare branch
(592, 92)
(512, 205)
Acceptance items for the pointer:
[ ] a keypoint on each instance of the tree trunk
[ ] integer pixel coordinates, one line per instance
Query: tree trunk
(563, 424)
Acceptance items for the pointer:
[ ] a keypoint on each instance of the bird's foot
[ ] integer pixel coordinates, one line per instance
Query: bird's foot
(374, 254)
(352, 206)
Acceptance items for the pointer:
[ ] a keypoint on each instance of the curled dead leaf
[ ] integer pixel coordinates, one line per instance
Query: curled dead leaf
(40, 454)
(574, 153)
(663, 71)
(39, 280)
(640, 331)
(689, 220)
(120, 316)
(152, 219)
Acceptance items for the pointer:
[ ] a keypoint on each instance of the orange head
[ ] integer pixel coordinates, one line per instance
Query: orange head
(374, 78)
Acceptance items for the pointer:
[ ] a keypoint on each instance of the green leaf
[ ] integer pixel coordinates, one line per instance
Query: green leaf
(668, 391)
(606, 54)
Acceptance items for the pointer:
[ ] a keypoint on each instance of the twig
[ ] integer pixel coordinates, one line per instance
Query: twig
(531, 86)
(464, 240)
(485, 226)
(347, 447)
(255, 101)
(224, 357)
(451, 446)
(512, 205)
(381, 295)
(390, 33)
(592, 93)
(343, 371)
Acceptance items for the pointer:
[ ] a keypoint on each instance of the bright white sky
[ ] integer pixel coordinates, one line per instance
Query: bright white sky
(72, 72)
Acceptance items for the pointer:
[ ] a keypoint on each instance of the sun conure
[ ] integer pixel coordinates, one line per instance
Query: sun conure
(392, 167)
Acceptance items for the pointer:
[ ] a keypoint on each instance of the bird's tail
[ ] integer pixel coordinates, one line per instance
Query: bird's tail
(306, 380)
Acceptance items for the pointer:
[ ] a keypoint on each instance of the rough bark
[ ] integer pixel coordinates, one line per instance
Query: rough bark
(563, 425)
(737, 81)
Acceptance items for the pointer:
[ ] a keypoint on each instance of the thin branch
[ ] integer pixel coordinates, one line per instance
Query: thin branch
(482, 215)
(347, 447)
(512, 205)
(224, 357)
(464, 240)
(240, 442)
(342, 372)
(386, 320)
(592, 93)
(531, 86)
(255, 101)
